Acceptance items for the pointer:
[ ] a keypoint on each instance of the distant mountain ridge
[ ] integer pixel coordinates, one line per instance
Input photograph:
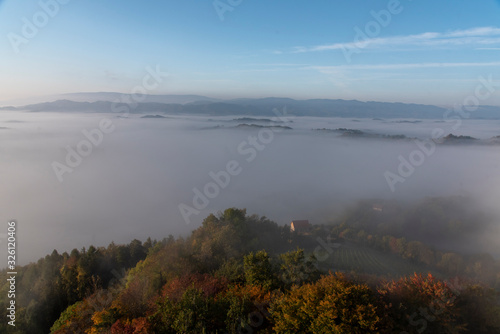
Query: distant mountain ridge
(107, 96)
(148, 98)
(201, 105)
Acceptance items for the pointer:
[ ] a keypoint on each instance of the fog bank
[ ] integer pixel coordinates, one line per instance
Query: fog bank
(133, 181)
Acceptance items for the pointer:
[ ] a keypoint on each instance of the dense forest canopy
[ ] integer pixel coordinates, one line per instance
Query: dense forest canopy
(244, 273)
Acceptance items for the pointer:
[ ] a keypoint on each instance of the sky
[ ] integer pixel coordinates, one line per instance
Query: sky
(420, 51)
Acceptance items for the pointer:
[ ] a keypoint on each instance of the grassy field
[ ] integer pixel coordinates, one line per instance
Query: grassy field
(360, 259)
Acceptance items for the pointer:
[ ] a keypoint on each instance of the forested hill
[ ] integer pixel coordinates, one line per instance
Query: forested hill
(240, 273)
(261, 107)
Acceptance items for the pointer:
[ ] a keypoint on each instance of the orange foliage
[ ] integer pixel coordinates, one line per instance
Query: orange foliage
(255, 293)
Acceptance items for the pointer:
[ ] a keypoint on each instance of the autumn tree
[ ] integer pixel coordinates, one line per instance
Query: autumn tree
(420, 303)
(333, 304)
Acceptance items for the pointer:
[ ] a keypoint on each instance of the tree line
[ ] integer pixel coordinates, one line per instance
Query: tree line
(237, 273)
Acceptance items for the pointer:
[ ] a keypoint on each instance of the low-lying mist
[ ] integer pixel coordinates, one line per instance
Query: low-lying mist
(159, 176)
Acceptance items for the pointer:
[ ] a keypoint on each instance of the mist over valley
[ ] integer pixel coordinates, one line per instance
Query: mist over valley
(158, 175)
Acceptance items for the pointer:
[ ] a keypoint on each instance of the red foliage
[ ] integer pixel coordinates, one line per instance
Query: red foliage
(209, 284)
(120, 327)
(141, 326)
(417, 303)
(137, 326)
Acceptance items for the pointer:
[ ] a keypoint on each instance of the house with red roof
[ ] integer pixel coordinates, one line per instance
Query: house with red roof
(300, 226)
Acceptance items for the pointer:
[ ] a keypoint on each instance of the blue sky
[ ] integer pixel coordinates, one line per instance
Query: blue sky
(425, 52)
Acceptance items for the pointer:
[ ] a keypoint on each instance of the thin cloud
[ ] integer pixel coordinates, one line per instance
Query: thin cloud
(473, 36)
(276, 64)
(344, 76)
(401, 66)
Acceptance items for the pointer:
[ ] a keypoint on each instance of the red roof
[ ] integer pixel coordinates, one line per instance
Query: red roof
(300, 224)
